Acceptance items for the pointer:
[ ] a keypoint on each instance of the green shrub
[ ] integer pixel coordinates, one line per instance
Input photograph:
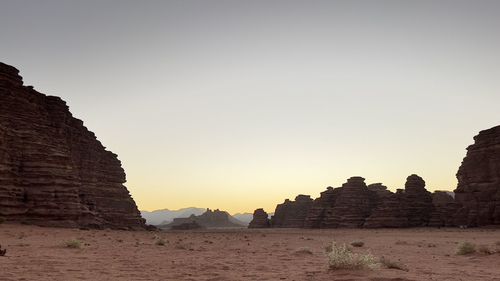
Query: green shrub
(73, 244)
(466, 248)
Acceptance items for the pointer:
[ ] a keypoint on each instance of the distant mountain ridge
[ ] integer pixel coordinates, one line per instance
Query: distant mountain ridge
(166, 216)
(209, 219)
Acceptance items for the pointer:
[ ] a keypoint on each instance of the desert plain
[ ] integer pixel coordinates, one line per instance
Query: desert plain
(43, 253)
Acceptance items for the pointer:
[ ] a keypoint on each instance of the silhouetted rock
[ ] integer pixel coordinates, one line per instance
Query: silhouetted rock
(292, 213)
(357, 205)
(410, 207)
(352, 205)
(260, 219)
(417, 202)
(445, 209)
(208, 219)
(478, 189)
(53, 171)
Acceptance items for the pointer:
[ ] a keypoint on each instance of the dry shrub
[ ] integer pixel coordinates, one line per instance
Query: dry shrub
(466, 248)
(341, 257)
(73, 244)
(160, 242)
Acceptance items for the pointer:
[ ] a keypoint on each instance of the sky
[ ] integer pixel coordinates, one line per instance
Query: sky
(239, 105)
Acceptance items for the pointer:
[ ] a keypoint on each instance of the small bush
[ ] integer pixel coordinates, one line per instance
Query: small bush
(399, 242)
(392, 264)
(160, 242)
(73, 244)
(497, 243)
(466, 248)
(341, 257)
(2, 220)
(357, 243)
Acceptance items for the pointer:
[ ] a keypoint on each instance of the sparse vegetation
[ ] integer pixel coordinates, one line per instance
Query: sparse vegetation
(357, 243)
(342, 257)
(160, 242)
(466, 248)
(393, 264)
(73, 244)
(399, 242)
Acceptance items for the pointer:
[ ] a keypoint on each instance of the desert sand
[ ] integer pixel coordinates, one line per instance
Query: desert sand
(41, 253)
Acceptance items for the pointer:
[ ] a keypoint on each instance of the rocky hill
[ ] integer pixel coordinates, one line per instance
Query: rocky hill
(53, 170)
(209, 219)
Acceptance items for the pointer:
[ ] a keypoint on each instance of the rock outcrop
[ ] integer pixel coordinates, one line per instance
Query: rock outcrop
(478, 190)
(209, 219)
(445, 209)
(53, 171)
(292, 213)
(260, 219)
(355, 204)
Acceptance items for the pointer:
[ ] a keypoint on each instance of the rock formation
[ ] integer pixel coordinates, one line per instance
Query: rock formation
(260, 219)
(478, 189)
(445, 209)
(208, 219)
(475, 202)
(53, 171)
(355, 204)
(292, 213)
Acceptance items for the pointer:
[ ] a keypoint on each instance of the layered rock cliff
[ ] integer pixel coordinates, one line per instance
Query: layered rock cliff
(355, 204)
(475, 202)
(53, 171)
(260, 219)
(478, 189)
(292, 213)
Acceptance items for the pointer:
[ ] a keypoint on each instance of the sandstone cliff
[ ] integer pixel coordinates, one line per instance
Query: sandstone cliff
(53, 171)
(355, 204)
(478, 189)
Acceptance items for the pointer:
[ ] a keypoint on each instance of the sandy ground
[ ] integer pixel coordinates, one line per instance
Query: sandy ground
(36, 253)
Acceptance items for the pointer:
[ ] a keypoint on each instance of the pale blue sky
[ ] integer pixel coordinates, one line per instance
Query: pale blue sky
(241, 104)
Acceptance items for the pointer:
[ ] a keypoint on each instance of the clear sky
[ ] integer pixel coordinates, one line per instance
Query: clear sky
(240, 104)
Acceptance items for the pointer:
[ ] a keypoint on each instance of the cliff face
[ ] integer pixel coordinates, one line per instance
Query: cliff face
(292, 213)
(478, 189)
(260, 219)
(53, 171)
(355, 204)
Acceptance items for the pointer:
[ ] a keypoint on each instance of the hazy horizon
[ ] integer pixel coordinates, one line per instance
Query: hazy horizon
(238, 105)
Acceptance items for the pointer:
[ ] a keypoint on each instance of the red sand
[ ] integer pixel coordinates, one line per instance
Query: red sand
(36, 253)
